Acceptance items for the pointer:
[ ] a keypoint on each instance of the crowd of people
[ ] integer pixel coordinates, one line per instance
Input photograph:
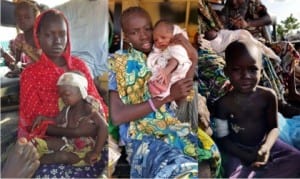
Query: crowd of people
(247, 102)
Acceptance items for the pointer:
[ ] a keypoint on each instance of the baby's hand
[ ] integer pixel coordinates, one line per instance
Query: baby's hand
(38, 120)
(162, 77)
(91, 157)
(263, 156)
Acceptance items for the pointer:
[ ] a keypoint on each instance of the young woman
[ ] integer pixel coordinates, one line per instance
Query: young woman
(38, 90)
(158, 145)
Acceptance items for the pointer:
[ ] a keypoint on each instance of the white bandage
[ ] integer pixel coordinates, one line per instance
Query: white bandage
(221, 127)
(76, 80)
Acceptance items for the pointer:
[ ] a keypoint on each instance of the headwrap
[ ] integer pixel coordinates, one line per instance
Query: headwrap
(76, 80)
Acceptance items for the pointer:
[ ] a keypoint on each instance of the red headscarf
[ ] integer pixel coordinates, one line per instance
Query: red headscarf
(38, 89)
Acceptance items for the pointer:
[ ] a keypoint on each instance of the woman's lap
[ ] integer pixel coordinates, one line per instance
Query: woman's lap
(154, 158)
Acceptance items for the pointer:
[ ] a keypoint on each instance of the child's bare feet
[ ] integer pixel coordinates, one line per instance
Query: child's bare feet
(22, 160)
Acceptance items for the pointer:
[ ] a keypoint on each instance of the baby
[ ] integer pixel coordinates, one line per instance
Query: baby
(81, 113)
(168, 63)
(220, 40)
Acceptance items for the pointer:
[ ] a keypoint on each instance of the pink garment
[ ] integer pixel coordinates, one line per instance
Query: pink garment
(158, 59)
(24, 59)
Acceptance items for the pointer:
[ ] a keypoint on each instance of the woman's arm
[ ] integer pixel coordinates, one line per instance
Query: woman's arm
(179, 39)
(122, 113)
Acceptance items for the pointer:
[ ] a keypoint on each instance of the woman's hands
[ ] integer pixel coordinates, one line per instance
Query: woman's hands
(179, 39)
(239, 22)
(181, 89)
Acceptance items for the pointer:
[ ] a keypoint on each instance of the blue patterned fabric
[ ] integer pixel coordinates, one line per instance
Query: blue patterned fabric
(69, 171)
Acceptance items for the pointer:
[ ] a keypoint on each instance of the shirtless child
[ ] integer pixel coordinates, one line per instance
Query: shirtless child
(80, 110)
(246, 120)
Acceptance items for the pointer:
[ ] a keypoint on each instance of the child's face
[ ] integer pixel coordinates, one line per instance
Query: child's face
(53, 37)
(138, 31)
(69, 94)
(162, 37)
(25, 18)
(244, 73)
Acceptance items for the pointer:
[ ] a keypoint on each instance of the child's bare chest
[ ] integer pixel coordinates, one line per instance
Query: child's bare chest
(74, 117)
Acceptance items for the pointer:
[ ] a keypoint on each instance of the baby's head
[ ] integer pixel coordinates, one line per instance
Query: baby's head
(210, 34)
(243, 65)
(162, 34)
(25, 12)
(72, 87)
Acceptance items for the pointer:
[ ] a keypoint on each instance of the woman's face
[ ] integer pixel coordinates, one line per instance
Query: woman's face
(138, 31)
(53, 37)
(25, 18)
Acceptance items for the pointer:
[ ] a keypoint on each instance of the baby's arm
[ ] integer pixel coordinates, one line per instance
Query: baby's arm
(164, 73)
(102, 135)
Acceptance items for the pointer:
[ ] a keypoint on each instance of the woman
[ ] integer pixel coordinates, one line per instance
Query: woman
(155, 149)
(39, 94)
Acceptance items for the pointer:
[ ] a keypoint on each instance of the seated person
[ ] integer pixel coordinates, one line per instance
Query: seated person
(76, 150)
(39, 95)
(22, 47)
(168, 63)
(246, 121)
(158, 144)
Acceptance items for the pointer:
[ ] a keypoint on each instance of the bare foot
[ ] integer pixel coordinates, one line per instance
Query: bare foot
(22, 161)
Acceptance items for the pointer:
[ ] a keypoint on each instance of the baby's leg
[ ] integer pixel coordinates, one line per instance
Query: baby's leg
(22, 160)
(60, 157)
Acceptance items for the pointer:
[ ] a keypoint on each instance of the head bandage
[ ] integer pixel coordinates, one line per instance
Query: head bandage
(76, 80)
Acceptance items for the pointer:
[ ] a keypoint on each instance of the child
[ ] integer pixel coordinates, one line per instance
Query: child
(168, 63)
(22, 47)
(221, 39)
(80, 107)
(246, 120)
